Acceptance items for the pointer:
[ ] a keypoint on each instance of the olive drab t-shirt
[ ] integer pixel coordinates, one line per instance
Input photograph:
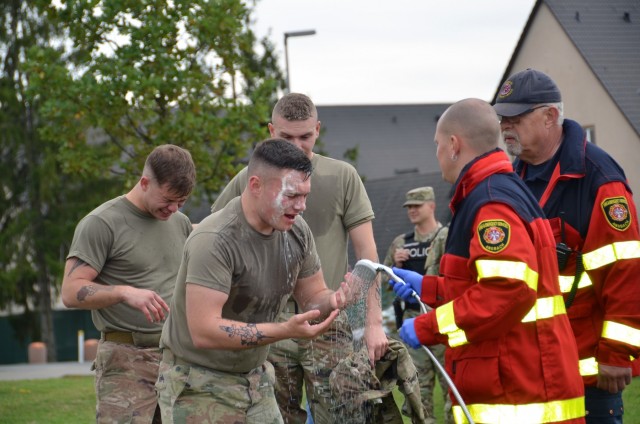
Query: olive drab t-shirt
(338, 202)
(127, 246)
(257, 271)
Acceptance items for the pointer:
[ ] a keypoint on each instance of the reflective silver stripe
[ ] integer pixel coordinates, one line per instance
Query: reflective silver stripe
(566, 281)
(546, 307)
(446, 319)
(507, 269)
(547, 412)
(588, 366)
(620, 332)
(610, 253)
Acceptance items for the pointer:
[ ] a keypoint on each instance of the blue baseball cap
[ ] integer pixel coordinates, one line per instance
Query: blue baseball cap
(523, 90)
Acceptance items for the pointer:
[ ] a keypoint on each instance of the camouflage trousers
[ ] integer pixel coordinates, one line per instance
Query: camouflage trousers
(427, 373)
(286, 358)
(192, 394)
(310, 361)
(124, 383)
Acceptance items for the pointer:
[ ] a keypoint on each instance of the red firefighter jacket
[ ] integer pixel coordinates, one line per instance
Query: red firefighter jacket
(510, 350)
(585, 196)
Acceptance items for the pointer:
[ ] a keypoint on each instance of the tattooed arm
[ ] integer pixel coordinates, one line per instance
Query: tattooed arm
(364, 247)
(210, 331)
(79, 290)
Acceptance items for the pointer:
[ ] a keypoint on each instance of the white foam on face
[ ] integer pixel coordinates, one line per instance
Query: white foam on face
(288, 184)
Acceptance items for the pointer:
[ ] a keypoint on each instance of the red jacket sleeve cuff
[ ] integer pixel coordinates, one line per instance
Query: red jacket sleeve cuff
(611, 357)
(426, 327)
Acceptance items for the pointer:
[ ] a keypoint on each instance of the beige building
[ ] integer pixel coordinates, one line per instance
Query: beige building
(591, 49)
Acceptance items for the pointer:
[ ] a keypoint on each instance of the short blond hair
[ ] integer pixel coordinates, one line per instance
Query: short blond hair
(294, 107)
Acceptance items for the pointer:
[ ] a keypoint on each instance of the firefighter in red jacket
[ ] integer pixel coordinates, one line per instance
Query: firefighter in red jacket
(584, 194)
(498, 304)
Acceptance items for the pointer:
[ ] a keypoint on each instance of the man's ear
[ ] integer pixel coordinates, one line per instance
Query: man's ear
(254, 185)
(454, 145)
(551, 115)
(145, 183)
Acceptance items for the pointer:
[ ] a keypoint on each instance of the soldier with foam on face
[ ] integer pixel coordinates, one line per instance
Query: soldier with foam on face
(420, 250)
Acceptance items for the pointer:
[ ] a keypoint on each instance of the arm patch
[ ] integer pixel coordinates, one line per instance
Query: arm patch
(616, 212)
(494, 235)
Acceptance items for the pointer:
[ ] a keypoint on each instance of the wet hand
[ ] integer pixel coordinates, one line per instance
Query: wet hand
(298, 326)
(408, 333)
(345, 295)
(377, 342)
(613, 379)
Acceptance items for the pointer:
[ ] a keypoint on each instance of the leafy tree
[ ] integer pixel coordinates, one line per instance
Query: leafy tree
(101, 84)
(34, 211)
(142, 73)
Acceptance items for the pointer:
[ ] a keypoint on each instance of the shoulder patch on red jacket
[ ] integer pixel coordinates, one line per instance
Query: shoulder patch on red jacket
(616, 211)
(494, 235)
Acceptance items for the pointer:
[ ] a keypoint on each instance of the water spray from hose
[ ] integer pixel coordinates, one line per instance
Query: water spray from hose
(367, 271)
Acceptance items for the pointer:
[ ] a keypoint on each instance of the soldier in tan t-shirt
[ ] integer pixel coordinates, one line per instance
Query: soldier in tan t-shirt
(122, 265)
(239, 268)
(338, 211)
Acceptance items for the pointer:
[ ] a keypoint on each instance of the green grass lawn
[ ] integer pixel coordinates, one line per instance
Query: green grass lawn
(71, 400)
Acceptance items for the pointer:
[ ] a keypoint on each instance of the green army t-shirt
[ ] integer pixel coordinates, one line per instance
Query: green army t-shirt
(127, 246)
(337, 203)
(258, 272)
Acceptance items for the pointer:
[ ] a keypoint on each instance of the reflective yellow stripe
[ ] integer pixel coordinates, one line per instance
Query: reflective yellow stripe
(566, 281)
(507, 269)
(447, 325)
(620, 332)
(610, 253)
(548, 412)
(588, 366)
(546, 307)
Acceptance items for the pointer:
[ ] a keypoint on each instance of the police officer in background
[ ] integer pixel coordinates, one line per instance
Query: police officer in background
(420, 250)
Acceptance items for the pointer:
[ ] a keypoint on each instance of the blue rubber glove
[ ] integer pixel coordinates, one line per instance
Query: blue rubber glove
(408, 333)
(413, 283)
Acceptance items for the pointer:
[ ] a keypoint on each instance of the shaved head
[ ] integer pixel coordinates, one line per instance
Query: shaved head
(473, 120)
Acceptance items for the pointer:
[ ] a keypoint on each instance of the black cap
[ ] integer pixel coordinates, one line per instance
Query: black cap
(523, 90)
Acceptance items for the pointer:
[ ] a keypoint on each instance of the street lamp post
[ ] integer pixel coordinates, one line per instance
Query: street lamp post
(286, 50)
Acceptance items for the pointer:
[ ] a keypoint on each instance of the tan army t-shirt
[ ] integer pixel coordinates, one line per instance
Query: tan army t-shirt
(337, 203)
(257, 271)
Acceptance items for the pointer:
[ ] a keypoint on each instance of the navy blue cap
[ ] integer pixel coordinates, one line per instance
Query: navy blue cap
(525, 89)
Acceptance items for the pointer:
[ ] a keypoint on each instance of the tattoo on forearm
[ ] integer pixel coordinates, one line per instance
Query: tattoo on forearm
(77, 264)
(85, 292)
(249, 334)
(90, 290)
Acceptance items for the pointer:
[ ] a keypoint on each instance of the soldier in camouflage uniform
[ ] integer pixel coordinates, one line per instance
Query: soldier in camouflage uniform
(122, 265)
(420, 250)
(239, 268)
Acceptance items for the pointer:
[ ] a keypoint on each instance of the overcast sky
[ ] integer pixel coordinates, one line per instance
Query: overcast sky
(399, 51)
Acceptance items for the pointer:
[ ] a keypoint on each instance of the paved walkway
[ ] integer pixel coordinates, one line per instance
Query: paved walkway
(39, 371)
